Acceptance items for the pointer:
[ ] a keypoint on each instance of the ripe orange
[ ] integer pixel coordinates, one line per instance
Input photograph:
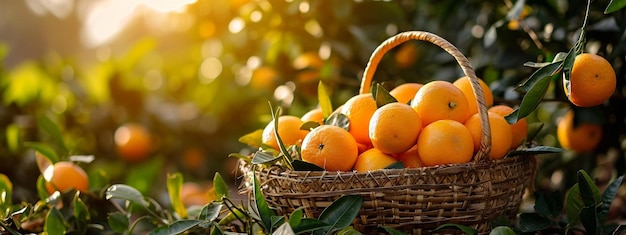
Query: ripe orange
(520, 128)
(592, 81)
(410, 158)
(438, 100)
(445, 142)
(133, 142)
(501, 134)
(373, 159)
(194, 194)
(582, 138)
(65, 176)
(394, 128)
(288, 130)
(359, 110)
(330, 147)
(406, 55)
(405, 92)
(464, 85)
(264, 78)
(193, 159)
(315, 115)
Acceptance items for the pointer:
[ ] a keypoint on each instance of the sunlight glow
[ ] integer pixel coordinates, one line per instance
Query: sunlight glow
(236, 25)
(104, 20)
(210, 69)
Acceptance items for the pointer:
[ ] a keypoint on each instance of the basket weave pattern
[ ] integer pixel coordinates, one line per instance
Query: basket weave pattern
(415, 200)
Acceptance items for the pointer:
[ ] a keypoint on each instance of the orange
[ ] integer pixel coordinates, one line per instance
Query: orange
(445, 142)
(373, 159)
(592, 81)
(193, 159)
(410, 158)
(394, 128)
(330, 147)
(584, 137)
(288, 130)
(359, 110)
(133, 142)
(194, 194)
(464, 85)
(309, 66)
(406, 55)
(314, 115)
(520, 128)
(501, 134)
(64, 176)
(405, 92)
(264, 78)
(438, 100)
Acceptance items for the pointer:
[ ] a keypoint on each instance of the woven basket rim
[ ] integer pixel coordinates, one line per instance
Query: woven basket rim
(438, 169)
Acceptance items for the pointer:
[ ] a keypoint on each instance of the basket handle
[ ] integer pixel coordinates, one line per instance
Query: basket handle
(377, 55)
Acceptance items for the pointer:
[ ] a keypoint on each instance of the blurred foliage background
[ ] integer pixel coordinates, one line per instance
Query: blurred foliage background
(199, 74)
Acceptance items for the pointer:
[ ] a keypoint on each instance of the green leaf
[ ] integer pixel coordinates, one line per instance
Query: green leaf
(211, 211)
(463, 228)
(253, 139)
(589, 219)
(281, 145)
(296, 217)
(588, 189)
(262, 207)
(307, 225)
(568, 62)
(41, 188)
(118, 222)
(6, 192)
(530, 101)
(299, 165)
(392, 231)
(43, 149)
(516, 10)
(125, 192)
(13, 137)
(264, 157)
(341, 212)
(549, 206)
(53, 130)
(534, 150)
(81, 212)
(614, 6)
(174, 188)
(338, 119)
(348, 231)
(502, 230)
(542, 73)
(276, 220)
(573, 205)
(310, 125)
(55, 223)
(608, 196)
(532, 222)
(324, 100)
(220, 186)
(382, 96)
(395, 165)
(182, 226)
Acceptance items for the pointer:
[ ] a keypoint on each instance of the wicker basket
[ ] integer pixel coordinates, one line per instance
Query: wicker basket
(415, 200)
